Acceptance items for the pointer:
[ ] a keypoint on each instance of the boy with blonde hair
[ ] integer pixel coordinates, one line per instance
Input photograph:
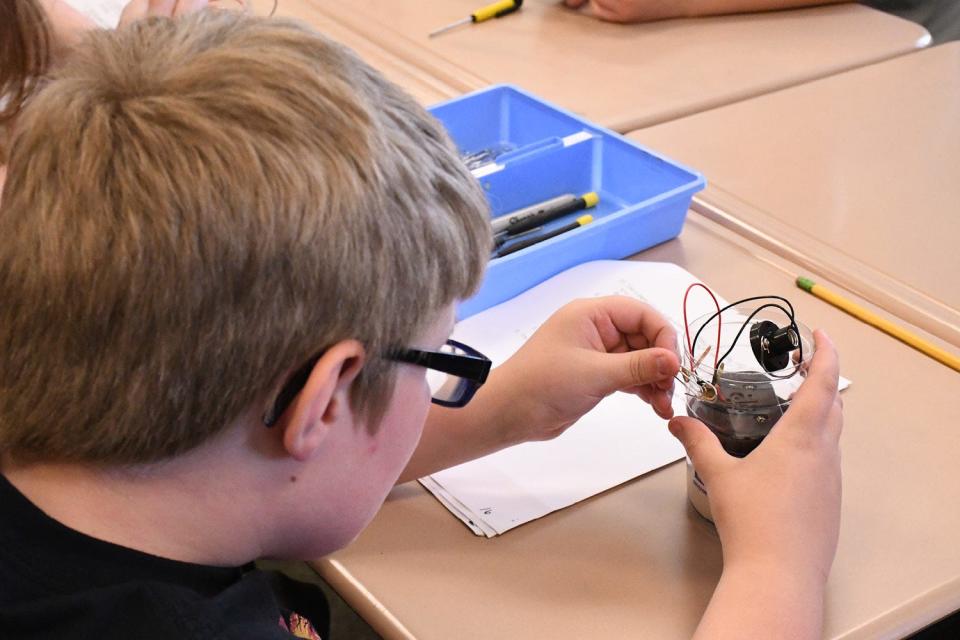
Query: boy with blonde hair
(230, 253)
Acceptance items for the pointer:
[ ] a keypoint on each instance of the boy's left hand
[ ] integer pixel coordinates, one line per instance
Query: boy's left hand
(584, 352)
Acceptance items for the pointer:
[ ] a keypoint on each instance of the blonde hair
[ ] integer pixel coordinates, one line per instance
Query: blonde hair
(194, 208)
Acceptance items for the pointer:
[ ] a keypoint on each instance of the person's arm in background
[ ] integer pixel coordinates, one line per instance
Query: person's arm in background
(648, 10)
(66, 24)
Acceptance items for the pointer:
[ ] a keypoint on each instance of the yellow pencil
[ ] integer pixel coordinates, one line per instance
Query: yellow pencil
(886, 326)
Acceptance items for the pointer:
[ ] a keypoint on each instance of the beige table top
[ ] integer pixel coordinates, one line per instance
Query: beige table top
(637, 562)
(423, 86)
(629, 76)
(856, 176)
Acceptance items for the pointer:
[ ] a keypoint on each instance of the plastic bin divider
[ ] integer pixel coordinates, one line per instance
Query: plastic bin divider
(531, 149)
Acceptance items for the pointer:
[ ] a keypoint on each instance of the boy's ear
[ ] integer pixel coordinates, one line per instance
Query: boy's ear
(324, 400)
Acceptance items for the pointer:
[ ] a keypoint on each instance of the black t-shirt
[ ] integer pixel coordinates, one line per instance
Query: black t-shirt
(58, 583)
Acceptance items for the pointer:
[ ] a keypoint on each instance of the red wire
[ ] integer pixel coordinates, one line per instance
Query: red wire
(686, 324)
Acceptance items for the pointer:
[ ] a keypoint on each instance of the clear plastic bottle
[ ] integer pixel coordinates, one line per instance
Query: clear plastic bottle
(738, 399)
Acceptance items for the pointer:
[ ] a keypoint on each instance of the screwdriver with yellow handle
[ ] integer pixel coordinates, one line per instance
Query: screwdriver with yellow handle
(494, 10)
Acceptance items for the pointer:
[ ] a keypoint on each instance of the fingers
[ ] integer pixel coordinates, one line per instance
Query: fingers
(621, 371)
(133, 10)
(702, 446)
(661, 401)
(163, 8)
(816, 398)
(643, 372)
(639, 324)
(230, 5)
(825, 366)
(138, 9)
(603, 12)
(614, 10)
(574, 4)
(625, 11)
(643, 342)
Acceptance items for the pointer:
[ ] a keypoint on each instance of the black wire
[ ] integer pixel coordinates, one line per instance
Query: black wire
(732, 305)
(793, 325)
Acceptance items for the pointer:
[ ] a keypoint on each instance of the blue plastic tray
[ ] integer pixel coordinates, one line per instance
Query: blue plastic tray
(643, 196)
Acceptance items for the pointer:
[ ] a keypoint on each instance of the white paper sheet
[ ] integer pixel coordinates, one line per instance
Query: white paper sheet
(620, 439)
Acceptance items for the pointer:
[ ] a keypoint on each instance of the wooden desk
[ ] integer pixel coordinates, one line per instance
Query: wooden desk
(423, 86)
(636, 561)
(856, 177)
(629, 76)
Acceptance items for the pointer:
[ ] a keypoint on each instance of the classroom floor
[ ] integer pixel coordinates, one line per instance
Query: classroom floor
(344, 621)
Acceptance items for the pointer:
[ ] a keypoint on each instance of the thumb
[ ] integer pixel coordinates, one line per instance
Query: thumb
(702, 446)
(638, 368)
(574, 4)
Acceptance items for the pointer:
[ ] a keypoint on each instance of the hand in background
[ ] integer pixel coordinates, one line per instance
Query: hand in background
(139, 9)
(629, 10)
(649, 10)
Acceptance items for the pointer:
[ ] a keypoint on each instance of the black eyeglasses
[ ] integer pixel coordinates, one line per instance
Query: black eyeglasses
(454, 373)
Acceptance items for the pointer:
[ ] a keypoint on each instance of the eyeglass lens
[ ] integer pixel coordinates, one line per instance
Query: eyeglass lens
(444, 386)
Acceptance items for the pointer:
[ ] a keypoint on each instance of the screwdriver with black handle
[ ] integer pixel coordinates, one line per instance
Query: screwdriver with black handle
(493, 10)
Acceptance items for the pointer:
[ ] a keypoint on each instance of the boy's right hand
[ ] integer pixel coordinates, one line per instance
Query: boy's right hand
(779, 508)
